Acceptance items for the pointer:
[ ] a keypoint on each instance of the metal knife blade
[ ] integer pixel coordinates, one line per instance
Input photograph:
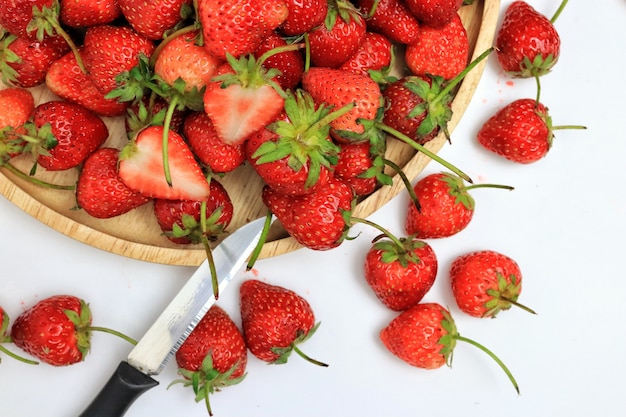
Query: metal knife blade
(133, 377)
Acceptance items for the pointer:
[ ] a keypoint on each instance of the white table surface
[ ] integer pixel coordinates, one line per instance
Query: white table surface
(563, 224)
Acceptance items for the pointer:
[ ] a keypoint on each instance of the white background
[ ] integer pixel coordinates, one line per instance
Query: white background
(563, 224)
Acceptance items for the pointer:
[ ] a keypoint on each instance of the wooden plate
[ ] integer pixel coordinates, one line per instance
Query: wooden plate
(137, 235)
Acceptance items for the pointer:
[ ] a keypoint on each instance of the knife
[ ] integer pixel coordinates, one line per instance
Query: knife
(133, 376)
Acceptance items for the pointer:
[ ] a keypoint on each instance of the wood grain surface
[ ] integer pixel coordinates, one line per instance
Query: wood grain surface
(137, 235)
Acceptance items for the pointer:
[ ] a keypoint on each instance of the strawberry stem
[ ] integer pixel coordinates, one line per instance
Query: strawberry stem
(517, 304)
(566, 127)
(384, 231)
(279, 50)
(492, 355)
(456, 80)
(406, 182)
(504, 187)
(113, 332)
(422, 149)
(17, 357)
(209, 252)
(166, 129)
(259, 246)
(36, 181)
(558, 11)
(308, 358)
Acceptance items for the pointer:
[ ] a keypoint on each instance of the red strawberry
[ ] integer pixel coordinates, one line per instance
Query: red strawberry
(238, 27)
(527, 44)
(338, 88)
(100, 191)
(152, 19)
(391, 18)
(425, 336)
(24, 62)
(85, 13)
(213, 356)
(400, 271)
(242, 99)
(65, 79)
(289, 63)
(485, 283)
(16, 107)
(446, 206)
(181, 220)
(56, 330)
(358, 167)
(373, 54)
(205, 143)
(182, 57)
(521, 131)
(142, 167)
(295, 155)
(77, 133)
(434, 13)
(111, 50)
(439, 51)
(315, 220)
(304, 15)
(275, 321)
(334, 42)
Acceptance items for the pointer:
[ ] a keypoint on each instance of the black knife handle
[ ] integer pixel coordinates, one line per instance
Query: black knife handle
(123, 388)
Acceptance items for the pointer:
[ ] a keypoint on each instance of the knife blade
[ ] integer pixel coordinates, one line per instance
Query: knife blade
(133, 376)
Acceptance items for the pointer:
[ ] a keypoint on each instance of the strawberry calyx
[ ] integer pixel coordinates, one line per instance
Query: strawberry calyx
(343, 10)
(82, 327)
(458, 189)
(207, 380)
(301, 337)
(448, 343)
(7, 56)
(45, 22)
(304, 137)
(504, 296)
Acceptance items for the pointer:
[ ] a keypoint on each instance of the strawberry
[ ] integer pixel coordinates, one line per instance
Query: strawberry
(334, 42)
(100, 191)
(527, 43)
(434, 13)
(152, 19)
(373, 54)
(425, 336)
(295, 155)
(24, 62)
(315, 220)
(182, 220)
(65, 79)
(181, 57)
(242, 99)
(303, 16)
(85, 13)
(205, 143)
(338, 88)
(289, 63)
(400, 271)
(16, 106)
(391, 18)
(238, 27)
(77, 133)
(55, 330)
(275, 321)
(485, 282)
(440, 51)
(213, 356)
(446, 206)
(111, 50)
(142, 167)
(521, 131)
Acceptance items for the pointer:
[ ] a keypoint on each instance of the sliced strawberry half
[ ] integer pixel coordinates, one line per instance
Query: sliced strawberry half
(142, 168)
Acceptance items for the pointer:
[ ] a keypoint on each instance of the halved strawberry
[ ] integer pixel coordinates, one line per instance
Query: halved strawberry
(142, 167)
